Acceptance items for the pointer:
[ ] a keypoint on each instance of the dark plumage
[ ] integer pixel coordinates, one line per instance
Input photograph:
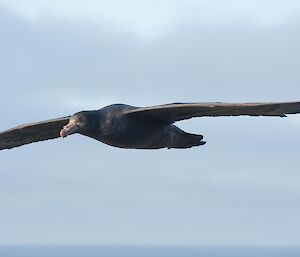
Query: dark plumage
(127, 126)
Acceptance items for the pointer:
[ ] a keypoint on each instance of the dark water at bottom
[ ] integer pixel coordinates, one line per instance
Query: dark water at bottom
(147, 251)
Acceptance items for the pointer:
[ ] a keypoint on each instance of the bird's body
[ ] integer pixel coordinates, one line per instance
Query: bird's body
(112, 126)
(126, 126)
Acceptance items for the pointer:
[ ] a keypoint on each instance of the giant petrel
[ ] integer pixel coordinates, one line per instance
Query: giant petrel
(127, 126)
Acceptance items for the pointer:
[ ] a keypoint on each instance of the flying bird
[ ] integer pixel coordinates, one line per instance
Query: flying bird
(127, 126)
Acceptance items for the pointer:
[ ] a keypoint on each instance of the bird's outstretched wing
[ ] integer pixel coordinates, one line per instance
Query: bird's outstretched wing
(33, 132)
(170, 113)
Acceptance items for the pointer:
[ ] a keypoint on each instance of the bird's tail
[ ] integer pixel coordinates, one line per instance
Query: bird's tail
(182, 139)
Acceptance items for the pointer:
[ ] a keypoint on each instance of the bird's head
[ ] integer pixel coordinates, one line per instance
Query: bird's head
(78, 123)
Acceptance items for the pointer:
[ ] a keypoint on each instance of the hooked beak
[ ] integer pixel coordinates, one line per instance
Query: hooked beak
(69, 129)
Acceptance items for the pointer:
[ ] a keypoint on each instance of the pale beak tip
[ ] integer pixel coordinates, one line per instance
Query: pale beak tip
(62, 133)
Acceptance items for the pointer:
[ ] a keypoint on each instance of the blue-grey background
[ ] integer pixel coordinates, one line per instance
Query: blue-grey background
(241, 188)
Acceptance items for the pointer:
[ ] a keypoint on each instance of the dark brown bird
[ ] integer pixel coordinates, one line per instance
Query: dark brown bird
(127, 126)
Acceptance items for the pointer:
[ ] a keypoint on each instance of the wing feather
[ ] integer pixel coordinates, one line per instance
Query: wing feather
(170, 113)
(33, 132)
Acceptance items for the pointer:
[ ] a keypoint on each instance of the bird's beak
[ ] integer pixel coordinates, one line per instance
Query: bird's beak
(69, 129)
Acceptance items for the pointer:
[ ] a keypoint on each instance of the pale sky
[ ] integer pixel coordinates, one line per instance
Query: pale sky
(150, 19)
(241, 188)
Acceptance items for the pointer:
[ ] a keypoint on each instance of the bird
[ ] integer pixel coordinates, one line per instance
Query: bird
(130, 127)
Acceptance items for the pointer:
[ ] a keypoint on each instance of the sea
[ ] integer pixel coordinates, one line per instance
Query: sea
(145, 251)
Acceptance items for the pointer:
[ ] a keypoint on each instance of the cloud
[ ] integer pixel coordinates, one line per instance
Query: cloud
(153, 18)
(54, 63)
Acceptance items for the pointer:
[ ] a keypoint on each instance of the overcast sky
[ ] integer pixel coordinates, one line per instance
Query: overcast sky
(241, 188)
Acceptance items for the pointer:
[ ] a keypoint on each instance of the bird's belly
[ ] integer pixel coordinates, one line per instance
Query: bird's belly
(136, 135)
